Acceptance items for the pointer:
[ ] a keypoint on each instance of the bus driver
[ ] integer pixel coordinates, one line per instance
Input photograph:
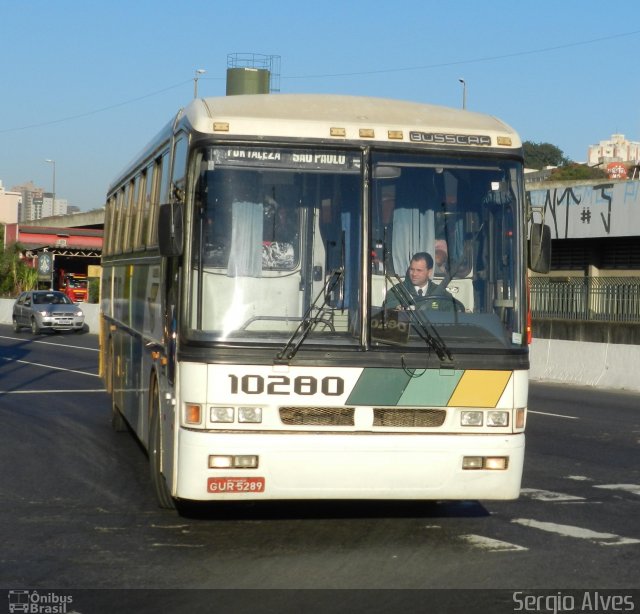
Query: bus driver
(417, 284)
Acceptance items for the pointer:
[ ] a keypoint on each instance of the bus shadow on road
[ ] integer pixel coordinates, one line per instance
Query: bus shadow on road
(12, 361)
(331, 509)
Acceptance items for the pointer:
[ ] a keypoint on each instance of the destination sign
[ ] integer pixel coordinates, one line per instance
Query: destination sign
(441, 138)
(272, 157)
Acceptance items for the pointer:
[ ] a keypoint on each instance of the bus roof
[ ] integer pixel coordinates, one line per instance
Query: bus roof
(315, 115)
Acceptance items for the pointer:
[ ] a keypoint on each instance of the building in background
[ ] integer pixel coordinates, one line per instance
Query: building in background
(617, 149)
(37, 204)
(51, 207)
(32, 200)
(10, 202)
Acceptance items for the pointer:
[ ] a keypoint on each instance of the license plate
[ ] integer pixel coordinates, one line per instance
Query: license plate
(235, 485)
(65, 321)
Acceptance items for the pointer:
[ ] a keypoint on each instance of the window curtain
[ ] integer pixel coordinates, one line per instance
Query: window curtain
(245, 255)
(413, 231)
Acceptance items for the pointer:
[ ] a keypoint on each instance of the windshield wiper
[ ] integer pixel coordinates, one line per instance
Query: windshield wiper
(420, 321)
(308, 321)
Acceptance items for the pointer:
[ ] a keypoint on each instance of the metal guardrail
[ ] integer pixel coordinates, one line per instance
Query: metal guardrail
(602, 299)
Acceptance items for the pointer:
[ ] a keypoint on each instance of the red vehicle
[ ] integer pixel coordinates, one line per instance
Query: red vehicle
(75, 286)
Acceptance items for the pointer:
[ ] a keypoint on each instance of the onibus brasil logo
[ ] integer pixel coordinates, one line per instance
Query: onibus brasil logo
(35, 602)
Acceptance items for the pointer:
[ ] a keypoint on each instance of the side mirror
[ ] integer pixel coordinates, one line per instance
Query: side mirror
(540, 248)
(170, 229)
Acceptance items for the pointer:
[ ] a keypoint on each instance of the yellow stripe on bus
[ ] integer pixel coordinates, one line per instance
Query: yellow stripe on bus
(480, 388)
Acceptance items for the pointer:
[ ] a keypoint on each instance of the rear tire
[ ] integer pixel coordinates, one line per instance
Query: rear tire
(163, 495)
(16, 326)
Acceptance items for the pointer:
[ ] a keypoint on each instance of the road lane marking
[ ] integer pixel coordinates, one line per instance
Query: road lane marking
(161, 545)
(548, 495)
(603, 539)
(544, 413)
(492, 545)
(37, 364)
(632, 488)
(64, 345)
(3, 392)
(579, 478)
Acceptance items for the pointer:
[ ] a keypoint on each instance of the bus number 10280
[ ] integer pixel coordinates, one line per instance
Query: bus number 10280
(304, 385)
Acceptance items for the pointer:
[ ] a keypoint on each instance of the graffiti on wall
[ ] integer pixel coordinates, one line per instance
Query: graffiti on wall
(610, 209)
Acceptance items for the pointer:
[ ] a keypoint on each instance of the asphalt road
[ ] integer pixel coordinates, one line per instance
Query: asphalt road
(78, 511)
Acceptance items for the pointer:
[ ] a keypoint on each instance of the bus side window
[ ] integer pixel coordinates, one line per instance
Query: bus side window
(145, 214)
(159, 195)
(179, 162)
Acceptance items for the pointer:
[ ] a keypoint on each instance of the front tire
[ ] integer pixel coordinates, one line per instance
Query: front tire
(35, 329)
(163, 495)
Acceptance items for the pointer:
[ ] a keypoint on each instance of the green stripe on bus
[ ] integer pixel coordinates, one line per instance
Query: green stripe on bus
(432, 387)
(379, 387)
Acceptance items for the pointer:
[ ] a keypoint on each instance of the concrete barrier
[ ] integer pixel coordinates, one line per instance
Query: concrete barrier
(606, 365)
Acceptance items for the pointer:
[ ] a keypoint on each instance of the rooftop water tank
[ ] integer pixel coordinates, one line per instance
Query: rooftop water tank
(247, 81)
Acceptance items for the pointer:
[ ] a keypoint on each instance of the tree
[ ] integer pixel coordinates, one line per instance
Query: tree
(94, 291)
(576, 172)
(15, 274)
(540, 155)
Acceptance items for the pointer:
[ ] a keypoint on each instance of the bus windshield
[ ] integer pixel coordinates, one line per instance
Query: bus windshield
(461, 213)
(271, 227)
(276, 248)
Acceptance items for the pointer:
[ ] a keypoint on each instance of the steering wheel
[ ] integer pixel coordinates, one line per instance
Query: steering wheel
(440, 303)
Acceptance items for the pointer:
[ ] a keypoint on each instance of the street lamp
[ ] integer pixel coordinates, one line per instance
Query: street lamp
(53, 195)
(199, 71)
(464, 93)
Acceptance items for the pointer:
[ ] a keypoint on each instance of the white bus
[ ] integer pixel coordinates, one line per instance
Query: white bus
(247, 334)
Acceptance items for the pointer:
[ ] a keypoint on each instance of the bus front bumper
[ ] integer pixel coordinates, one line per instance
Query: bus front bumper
(346, 466)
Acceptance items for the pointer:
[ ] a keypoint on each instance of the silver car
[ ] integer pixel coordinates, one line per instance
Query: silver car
(43, 310)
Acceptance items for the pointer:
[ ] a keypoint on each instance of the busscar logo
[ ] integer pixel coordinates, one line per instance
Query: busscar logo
(35, 602)
(441, 138)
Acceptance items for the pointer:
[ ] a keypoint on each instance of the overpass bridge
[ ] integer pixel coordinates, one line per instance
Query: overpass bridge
(84, 219)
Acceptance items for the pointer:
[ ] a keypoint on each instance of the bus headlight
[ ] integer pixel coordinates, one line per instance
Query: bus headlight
(471, 418)
(221, 414)
(239, 461)
(473, 462)
(499, 463)
(250, 414)
(492, 463)
(498, 418)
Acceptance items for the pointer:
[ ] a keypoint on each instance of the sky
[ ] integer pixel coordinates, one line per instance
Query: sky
(88, 84)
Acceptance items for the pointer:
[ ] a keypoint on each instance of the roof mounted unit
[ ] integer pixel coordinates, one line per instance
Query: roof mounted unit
(252, 73)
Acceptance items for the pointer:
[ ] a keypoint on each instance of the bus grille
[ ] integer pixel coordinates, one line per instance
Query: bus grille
(393, 417)
(317, 416)
(403, 417)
